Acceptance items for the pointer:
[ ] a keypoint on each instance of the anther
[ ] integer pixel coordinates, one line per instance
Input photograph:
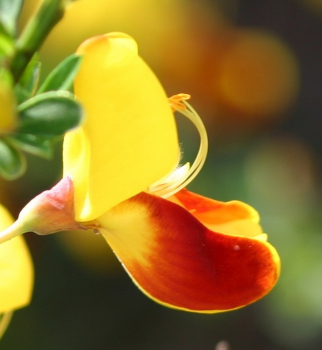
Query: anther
(177, 101)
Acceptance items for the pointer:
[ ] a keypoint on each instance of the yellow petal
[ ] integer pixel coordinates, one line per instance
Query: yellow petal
(16, 269)
(129, 138)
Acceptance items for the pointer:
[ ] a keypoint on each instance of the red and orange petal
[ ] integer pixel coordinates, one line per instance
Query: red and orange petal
(214, 211)
(242, 219)
(178, 262)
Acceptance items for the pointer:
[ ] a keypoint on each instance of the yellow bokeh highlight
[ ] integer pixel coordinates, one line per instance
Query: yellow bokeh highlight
(258, 75)
(16, 269)
(129, 138)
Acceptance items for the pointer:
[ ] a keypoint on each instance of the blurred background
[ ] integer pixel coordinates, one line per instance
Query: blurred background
(253, 68)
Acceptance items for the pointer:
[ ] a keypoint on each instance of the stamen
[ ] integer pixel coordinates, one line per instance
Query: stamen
(177, 101)
(183, 175)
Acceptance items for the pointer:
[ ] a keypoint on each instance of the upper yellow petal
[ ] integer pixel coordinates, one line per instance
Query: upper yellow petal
(16, 269)
(129, 138)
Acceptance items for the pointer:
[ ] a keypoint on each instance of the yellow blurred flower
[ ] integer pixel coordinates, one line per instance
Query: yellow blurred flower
(16, 271)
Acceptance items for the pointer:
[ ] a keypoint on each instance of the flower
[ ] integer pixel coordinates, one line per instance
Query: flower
(121, 179)
(16, 272)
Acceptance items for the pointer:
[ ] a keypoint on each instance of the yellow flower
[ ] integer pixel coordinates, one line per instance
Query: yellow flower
(129, 142)
(187, 251)
(16, 270)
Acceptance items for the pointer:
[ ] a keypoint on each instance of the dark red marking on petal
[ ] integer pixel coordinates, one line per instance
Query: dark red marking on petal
(191, 267)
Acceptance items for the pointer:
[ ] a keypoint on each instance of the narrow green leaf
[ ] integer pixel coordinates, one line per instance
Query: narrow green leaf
(34, 33)
(28, 83)
(36, 145)
(12, 161)
(62, 77)
(9, 12)
(30, 78)
(21, 94)
(49, 114)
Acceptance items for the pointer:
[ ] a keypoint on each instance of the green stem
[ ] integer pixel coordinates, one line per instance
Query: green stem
(34, 34)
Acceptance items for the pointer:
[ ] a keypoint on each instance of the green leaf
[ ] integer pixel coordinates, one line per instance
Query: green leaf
(28, 83)
(30, 78)
(21, 94)
(6, 43)
(49, 114)
(62, 77)
(36, 145)
(34, 33)
(12, 161)
(9, 12)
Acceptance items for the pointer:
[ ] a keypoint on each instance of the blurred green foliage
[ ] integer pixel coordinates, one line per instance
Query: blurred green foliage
(42, 116)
